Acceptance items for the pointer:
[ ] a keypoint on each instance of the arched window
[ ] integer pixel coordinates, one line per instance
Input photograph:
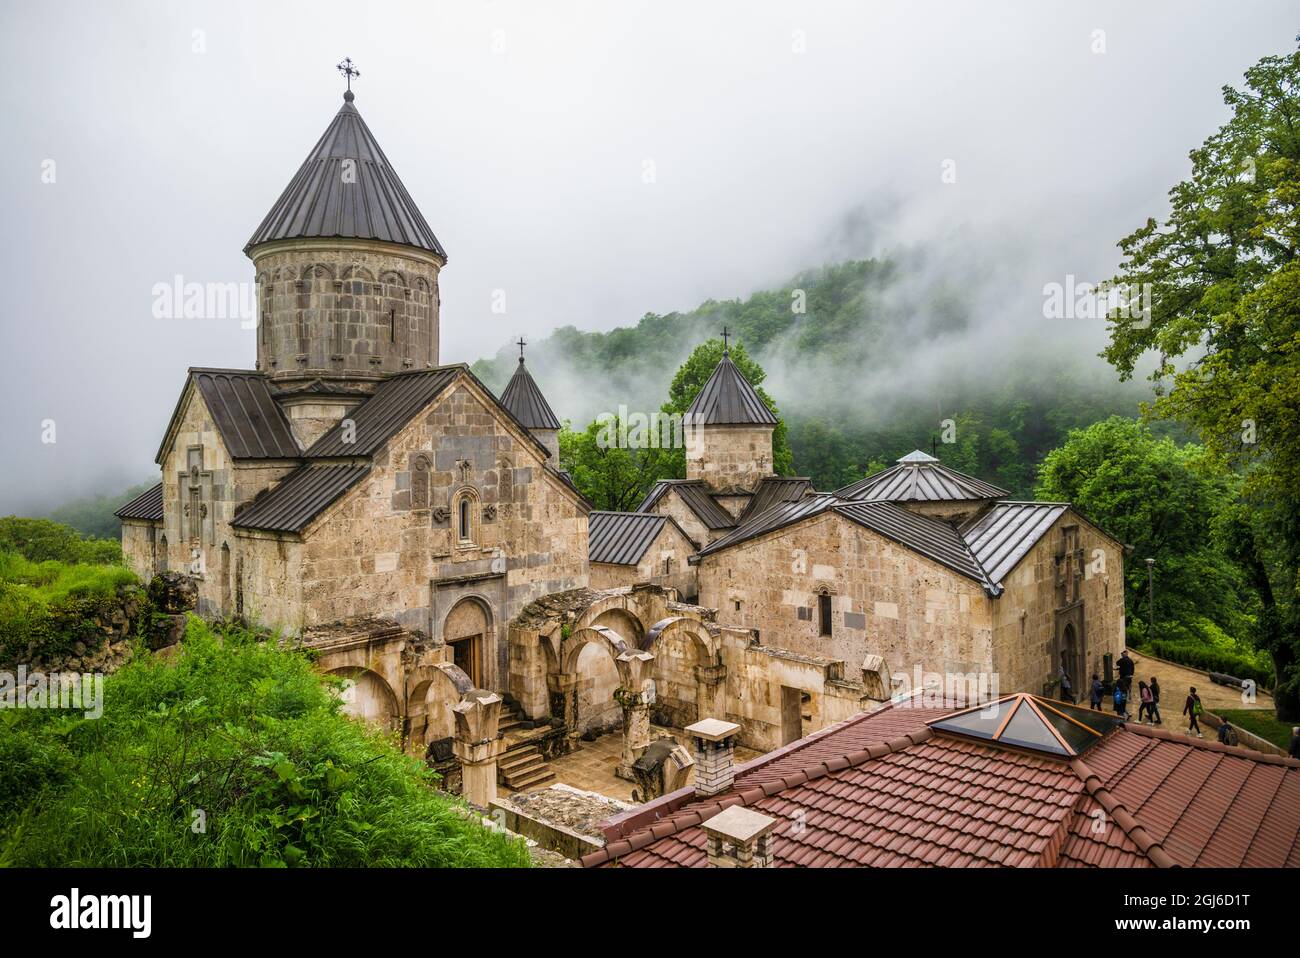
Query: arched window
(464, 529)
(824, 612)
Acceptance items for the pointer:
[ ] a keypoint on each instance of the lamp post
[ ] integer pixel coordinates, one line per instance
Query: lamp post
(1151, 600)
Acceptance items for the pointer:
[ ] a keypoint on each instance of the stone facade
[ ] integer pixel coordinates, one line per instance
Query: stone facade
(347, 310)
(664, 564)
(729, 457)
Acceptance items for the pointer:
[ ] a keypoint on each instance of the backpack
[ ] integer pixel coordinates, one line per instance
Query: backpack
(1197, 707)
(1230, 736)
(1119, 695)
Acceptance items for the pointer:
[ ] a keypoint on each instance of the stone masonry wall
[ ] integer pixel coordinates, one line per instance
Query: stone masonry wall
(1025, 617)
(729, 457)
(340, 309)
(886, 599)
(670, 547)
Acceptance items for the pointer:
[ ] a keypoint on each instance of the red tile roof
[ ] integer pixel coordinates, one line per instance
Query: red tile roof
(884, 789)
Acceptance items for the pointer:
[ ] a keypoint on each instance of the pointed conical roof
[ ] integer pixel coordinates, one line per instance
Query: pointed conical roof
(369, 203)
(728, 399)
(525, 401)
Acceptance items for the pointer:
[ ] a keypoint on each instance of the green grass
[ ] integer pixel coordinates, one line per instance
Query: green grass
(245, 733)
(1263, 722)
(53, 582)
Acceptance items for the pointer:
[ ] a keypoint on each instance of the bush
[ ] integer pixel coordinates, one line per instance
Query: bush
(1210, 659)
(246, 734)
(40, 540)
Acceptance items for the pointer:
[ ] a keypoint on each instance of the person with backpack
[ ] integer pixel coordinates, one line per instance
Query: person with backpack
(1067, 690)
(1192, 709)
(1144, 702)
(1154, 711)
(1126, 668)
(1120, 699)
(1227, 734)
(1096, 693)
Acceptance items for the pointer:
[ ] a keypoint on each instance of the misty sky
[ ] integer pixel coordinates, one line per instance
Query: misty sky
(524, 130)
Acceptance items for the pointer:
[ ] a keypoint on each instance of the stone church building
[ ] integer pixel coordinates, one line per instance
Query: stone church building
(354, 490)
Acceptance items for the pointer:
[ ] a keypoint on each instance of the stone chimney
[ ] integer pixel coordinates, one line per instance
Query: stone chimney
(739, 837)
(715, 752)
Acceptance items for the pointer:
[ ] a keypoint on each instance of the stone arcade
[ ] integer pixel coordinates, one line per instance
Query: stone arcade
(416, 531)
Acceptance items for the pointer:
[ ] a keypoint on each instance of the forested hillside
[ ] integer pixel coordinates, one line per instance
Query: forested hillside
(867, 360)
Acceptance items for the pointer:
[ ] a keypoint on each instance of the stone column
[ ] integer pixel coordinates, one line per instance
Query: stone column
(476, 745)
(710, 684)
(634, 695)
(563, 690)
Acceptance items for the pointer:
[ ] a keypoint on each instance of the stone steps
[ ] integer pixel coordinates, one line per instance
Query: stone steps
(523, 768)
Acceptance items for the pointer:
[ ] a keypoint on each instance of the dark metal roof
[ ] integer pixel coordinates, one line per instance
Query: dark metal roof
(695, 493)
(147, 505)
(526, 403)
(919, 478)
(728, 399)
(774, 489)
(622, 538)
(395, 401)
(1002, 536)
(777, 517)
(932, 538)
(370, 204)
(302, 496)
(252, 425)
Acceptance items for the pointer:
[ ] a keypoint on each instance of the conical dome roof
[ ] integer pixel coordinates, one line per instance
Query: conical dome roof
(525, 401)
(728, 399)
(364, 199)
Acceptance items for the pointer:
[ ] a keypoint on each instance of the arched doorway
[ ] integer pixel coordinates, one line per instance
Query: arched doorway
(366, 696)
(467, 629)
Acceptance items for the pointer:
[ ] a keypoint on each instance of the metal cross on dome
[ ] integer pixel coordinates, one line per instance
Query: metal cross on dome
(348, 70)
(521, 345)
(725, 347)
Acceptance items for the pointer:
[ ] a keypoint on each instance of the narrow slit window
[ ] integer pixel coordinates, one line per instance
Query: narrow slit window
(464, 518)
(824, 612)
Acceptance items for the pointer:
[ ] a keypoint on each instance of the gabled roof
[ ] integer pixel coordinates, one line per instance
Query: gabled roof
(395, 401)
(771, 519)
(622, 538)
(919, 477)
(886, 788)
(252, 425)
(1030, 721)
(299, 498)
(932, 538)
(698, 498)
(147, 505)
(1001, 537)
(773, 489)
(728, 399)
(525, 401)
(369, 202)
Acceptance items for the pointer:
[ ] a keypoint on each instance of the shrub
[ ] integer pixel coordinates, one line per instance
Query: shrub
(41, 540)
(247, 734)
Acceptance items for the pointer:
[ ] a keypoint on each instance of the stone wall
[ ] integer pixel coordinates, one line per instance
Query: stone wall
(671, 504)
(729, 457)
(140, 546)
(224, 486)
(1028, 617)
(345, 309)
(885, 598)
(663, 564)
(388, 548)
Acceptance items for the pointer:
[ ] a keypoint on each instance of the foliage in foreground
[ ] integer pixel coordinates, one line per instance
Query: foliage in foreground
(47, 607)
(242, 737)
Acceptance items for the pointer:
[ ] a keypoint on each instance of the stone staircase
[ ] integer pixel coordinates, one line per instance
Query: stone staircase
(522, 766)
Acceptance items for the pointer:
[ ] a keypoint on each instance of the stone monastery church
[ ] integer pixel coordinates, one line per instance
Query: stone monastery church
(384, 507)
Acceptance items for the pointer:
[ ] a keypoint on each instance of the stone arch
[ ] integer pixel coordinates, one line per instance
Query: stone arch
(687, 671)
(359, 272)
(368, 696)
(469, 629)
(317, 271)
(433, 690)
(600, 635)
(589, 654)
(466, 517)
(625, 623)
(705, 643)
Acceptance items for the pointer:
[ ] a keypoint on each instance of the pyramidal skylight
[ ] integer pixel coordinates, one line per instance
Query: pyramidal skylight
(1030, 721)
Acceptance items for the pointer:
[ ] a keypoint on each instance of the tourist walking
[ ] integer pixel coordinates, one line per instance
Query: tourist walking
(1120, 699)
(1126, 667)
(1144, 702)
(1192, 709)
(1067, 690)
(1095, 695)
(1154, 711)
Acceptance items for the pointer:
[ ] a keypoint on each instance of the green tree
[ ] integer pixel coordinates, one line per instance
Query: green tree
(1224, 291)
(1166, 501)
(613, 477)
(695, 372)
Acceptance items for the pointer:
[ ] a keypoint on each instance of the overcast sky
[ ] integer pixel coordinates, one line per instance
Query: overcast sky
(780, 136)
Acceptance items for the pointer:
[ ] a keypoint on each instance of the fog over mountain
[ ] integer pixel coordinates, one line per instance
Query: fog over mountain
(592, 163)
